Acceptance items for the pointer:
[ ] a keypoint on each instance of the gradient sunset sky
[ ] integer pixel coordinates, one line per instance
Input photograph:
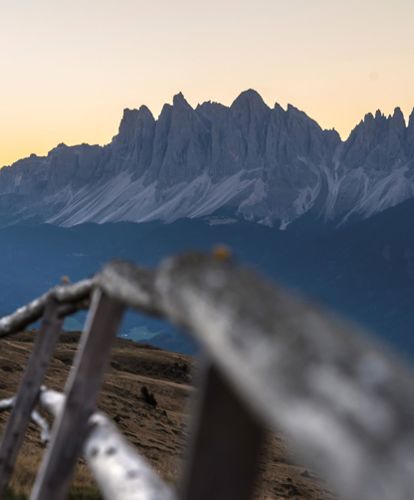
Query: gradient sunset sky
(68, 68)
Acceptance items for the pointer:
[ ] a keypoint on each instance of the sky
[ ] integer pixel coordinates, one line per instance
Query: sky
(69, 67)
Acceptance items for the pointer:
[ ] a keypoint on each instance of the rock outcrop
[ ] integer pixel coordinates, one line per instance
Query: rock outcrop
(249, 160)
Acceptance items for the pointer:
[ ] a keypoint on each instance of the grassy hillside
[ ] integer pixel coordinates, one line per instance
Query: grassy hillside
(159, 433)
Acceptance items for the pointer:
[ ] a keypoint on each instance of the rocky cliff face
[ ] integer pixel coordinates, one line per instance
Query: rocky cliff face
(247, 160)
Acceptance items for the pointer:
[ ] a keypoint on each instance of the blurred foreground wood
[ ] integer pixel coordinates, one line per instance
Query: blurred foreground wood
(340, 397)
(159, 432)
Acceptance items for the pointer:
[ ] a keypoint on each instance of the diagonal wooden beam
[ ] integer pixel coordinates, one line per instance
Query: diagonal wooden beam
(13, 434)
(119, 470)
(84, 382)
(227, 441)
(71, 297)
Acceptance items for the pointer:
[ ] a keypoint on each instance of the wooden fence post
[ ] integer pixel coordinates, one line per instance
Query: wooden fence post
(13, 434)
(226, 445)
(84, 382)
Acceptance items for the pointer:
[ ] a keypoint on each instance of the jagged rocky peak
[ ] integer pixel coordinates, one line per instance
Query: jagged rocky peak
(133, 120)
(61, 146)
(411, 119)
(379, 132)
(180, 101)
(144, 114)
(379, 115)
(376, 171)
(399, 114)
(212, 111)
(369, 117)
(250, 117)
(397, 121)
(189, 144)
(410, 126)
(181, 112)
(297, 118)
(295, 115)
(249, 99)
(293, 110)
(249, 109)
(267, 164)
(410, 134)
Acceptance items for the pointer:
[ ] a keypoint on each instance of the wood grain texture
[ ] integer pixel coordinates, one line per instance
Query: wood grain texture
(120, 471)
(72, 296)
(345, 402)
(226, 444)
(72, 424)
(45, 343)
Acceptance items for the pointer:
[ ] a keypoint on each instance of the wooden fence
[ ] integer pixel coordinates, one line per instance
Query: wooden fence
(271, 360)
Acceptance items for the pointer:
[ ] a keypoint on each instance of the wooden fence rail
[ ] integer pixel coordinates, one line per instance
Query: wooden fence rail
(121, 473)
(28, 392)
(271, 361)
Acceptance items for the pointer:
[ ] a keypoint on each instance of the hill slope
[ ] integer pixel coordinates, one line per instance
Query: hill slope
(158, 433)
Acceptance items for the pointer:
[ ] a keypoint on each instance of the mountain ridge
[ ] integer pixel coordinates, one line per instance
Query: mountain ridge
(269, 165)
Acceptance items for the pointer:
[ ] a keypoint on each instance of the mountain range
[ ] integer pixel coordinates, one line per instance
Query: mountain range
(243, 162)
(234, 175)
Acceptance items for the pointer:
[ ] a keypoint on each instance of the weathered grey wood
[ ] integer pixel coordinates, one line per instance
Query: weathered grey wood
(71, 426)
(43, 424)
(36, 418)
(15, 429)
(6, 404)
(347, 405)
(64, 294)
(120, 471)
(131, 285)
(295, 366)
(227, 441)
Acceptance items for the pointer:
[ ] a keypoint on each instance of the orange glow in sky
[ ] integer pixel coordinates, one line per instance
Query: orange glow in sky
(69, 67)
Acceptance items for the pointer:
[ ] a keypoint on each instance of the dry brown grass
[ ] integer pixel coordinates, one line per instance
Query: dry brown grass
(158, 433)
